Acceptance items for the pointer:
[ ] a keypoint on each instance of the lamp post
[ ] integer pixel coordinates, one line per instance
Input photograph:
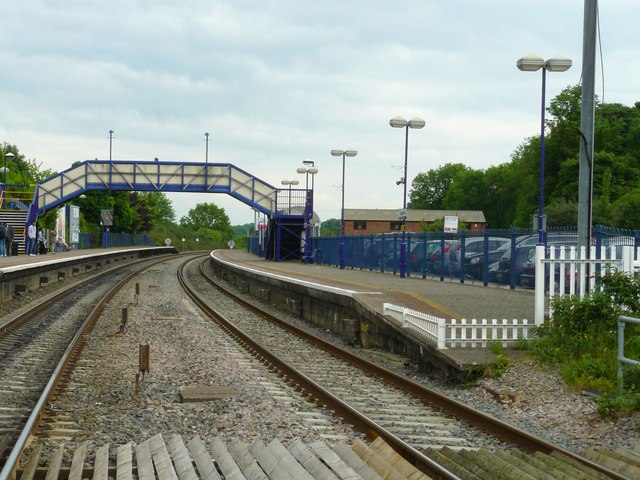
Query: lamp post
(10, 156)
(308, 169)
(111, 132)
(399, 122)
(206, 148)
(290, 182)
(533, 63)
(343, 154)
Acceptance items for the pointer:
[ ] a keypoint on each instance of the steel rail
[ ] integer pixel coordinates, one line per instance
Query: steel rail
(70, 352)
(361, 422)
(477, 418)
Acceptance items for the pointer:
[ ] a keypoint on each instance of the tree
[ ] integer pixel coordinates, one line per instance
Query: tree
(161, 207)
(208, 216)
(428, 190)
(330, 227)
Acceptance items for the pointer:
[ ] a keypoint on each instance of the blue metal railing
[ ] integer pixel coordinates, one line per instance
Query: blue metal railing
(501, 256)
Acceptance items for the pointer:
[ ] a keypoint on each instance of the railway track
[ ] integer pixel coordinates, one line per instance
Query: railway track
(38, 345)
(399, 413)
(420, 423)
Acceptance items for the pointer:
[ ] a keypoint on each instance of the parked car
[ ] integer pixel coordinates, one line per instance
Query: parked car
(474, 263)
(472, 247)
(500, 271)
(427, 258)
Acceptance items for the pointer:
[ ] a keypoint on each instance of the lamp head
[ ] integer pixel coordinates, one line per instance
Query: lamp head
(312, 170)
(530, 63)
(302, 170)
(417, 123)
(398, 122)
(558, 63)
(400, 182)
(351, 153)
(9, 156)
(294, 182)
(308, 163)
(337, 153)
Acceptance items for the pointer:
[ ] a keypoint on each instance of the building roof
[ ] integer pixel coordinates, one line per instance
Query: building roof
(391, 215)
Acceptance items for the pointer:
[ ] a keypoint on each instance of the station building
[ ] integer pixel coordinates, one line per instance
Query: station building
(358, 221)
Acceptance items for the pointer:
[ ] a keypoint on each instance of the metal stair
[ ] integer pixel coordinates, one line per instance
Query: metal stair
(17, 219)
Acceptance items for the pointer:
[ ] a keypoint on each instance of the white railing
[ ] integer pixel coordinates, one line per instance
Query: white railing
(479, 333)
(430, 326)
(571, 272)
(460, 333)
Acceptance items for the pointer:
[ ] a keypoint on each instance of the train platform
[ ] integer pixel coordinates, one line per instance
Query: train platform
(20, 260)
(448, 299)
(21, 274)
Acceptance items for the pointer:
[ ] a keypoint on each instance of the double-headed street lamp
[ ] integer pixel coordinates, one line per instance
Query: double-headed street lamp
(399, 122)
(290, 183)
(343, 154)
(533, 63)
(308, 169)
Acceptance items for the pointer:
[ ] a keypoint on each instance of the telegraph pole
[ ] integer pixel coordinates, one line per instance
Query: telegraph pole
(587, 114)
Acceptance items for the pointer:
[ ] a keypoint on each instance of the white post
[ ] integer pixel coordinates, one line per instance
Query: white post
(627, 260)
(539, 291)
(442, 333)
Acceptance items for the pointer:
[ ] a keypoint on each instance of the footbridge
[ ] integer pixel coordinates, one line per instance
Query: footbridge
(289, 210)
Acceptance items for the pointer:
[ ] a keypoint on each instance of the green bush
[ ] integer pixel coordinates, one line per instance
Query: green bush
(582, 338)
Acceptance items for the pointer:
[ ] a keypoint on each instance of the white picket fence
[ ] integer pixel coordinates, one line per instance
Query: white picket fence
(460, 333)
(571, 272)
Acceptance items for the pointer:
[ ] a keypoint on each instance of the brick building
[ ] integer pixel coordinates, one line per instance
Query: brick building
(359, 221)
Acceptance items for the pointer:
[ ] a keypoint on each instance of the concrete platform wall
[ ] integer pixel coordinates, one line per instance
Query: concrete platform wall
(20, 279)
(343, 314)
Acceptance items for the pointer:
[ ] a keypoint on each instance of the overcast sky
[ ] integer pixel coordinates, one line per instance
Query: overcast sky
(277, 82)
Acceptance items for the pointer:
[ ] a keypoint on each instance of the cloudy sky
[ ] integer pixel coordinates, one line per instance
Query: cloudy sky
(276, 82)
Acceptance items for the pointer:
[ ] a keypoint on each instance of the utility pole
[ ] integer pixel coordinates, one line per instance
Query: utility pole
(587, 114)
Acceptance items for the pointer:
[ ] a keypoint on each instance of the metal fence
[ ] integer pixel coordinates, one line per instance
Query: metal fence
(504, 257)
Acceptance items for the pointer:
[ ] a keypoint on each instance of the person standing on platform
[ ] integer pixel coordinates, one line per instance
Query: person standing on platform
(9, 240)
(42, 242)
(31, 236)
(3, 240)
(53, 237)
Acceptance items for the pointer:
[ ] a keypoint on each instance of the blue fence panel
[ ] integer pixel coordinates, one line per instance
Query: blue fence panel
(499, 256)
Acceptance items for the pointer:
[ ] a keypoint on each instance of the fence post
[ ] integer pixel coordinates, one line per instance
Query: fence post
(512, 263)
(441, 333)
(462, 255)
(539, 290)
(621, 325)
(627, 260)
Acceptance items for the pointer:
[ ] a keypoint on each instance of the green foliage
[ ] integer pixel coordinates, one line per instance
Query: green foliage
(508, 193)
(209, 219)
(428, 190)
(207, 239)
(582, 338)
(500, 363)
(330, 228)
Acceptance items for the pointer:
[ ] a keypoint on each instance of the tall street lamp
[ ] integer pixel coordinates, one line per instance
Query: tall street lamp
(399, 122)
(7, 156)
(111, 132)
(290, 182)
(308, 169)
(206, 148)
(343, 154)
(533, 63)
